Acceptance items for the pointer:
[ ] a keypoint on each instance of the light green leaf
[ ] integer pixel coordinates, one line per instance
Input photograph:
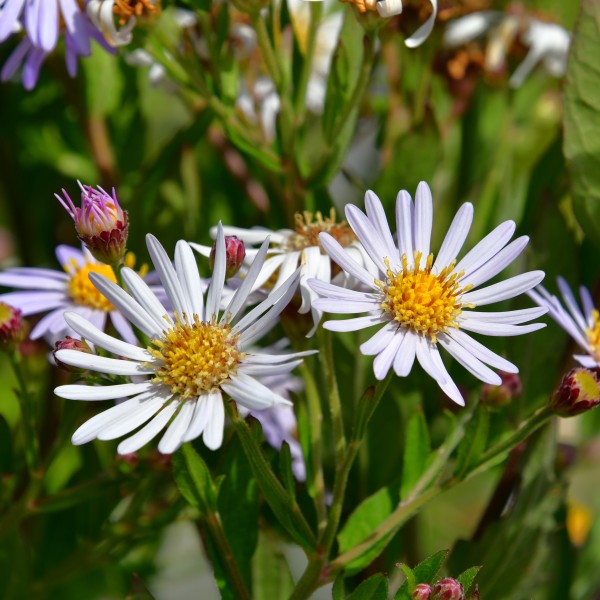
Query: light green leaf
(424, 572)
(193, 479)
(467, 578)
(270, 572)
(416, 452)
(474, 442)
(374, 588)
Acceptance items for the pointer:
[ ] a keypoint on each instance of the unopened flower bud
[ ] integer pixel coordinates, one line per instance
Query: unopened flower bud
(235, 251)
(578, 391)
(70, 343)
(497, 396)
(12, 327)
(100, 223)
(448, 589)
(422, 592)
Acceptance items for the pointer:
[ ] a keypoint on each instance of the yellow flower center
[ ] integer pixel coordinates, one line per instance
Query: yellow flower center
(82, 290)
(593, 335)
(418, 299)
(309, 226)
(197, 357)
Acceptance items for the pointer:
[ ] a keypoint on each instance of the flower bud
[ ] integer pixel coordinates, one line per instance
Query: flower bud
(12, 327)
(70, 343)
(497, 396)
(448, 589)
(100, 223)
(422, 592)
(235, 251)
(578, 391)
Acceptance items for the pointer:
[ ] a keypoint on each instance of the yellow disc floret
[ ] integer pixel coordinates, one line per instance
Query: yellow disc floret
(420, 300)
(309, 226)
(197, 357)
(82, 290)
(593, 335)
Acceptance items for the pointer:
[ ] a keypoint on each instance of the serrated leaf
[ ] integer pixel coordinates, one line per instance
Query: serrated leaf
(474, 441)
(416, 452)
(193, 479)
(582, 118)
(466, 578)
(374, 588)
(424, 572)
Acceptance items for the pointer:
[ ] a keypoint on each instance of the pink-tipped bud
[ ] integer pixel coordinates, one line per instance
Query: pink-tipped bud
(497, 396)
(12, 327)
(100, 223)
(70, 343)
(422, 592)
(235, 251)
(578, 391)
(448, 589)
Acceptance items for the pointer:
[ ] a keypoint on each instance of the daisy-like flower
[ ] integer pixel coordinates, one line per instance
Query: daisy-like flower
(192, 359)
(425, 302)
(43, 290)
(581, 323)
(300, 247)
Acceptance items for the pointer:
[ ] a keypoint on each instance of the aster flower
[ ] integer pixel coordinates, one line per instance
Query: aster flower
(101, 224)
(300, 247)
(53, 292)
(423, 302)
(582, 325)
(191, 360)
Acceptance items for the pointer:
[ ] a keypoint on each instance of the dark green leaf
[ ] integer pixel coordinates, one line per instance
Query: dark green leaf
(467, 578)
(193, 479)
(374, 588)
(285, 468)
(424, 572)
(474, 442)
(270, 572)
(416, 452)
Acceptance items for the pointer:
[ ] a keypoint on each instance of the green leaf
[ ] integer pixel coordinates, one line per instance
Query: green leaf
(424, 572)
(6, 453)
(582, 118)
(467, 578)
(270, 572)
(285, 468)
(104, 82)
(374, 588)
(193, 479)
(416, 452)
(474, 442)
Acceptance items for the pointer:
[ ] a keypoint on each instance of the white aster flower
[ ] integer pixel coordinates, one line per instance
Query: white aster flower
(191, 359)
(423, 302)
(301, 247)
(582, 325)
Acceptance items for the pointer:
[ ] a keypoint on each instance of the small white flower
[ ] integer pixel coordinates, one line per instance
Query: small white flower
(300, 247)
(582, 326)
(191, 359)
(424, 302)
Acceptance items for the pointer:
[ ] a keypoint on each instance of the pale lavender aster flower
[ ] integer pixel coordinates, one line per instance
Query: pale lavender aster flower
(51, 291)
(582, 325)
(422, 302)
(178, 381)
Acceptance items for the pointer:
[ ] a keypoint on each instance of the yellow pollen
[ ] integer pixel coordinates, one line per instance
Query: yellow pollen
(309, 226)
(197, 357)
(593, 335)
(125, 9)
(82, 290)
(418, 299)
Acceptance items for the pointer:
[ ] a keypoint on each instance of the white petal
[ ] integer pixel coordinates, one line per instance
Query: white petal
(384, 360)
(268, 369)
(345, 307)
(499, 329)
(404, 225)
(213, 432)
(202, 413)
(213, 299)
(481, 352)
(289, 265)
(377, 342)
(173, 437)
(571, 303)
(588, 303)
(423, 220)
(335, 292)
(262, 359)
(149, 431)
(419, 36)
(469, 362)
(101, 364)
(369, 238)
(586, 361)
(251, 393)
(146, 410)
(340, 256)
(425, 350)
(455, 238)
(311, 259)
(448, 387)
(511, 317)
(102, 392)
(353, 324)
(187, 272)
(504, 290)
(376, 214)
(405, 357)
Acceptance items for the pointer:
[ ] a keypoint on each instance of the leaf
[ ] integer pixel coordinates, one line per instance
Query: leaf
(285, 468)
(374, 588)
(582, 118)
(6, 453)
(193, 479)
(467, 578)
(270, 572)
(416, 452)
(424, 572)
(104, 82)
(474, 441)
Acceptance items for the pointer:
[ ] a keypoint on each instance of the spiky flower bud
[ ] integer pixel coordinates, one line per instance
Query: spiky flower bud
(578, 391)
(70, 343)
(12, 327)
(448, 589)
(422, 592)
(497, 396)
(235, 252)
(100, 223)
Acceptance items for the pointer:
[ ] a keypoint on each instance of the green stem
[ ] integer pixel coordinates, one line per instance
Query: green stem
(266, 49)
(27, 413)
(315, 423)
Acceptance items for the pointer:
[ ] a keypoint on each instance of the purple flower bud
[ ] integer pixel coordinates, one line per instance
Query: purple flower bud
(448, 589)
(70, 343)
(235, 251)
(100, 223)
(497, 396)
(422, 592)
(578, 391)
(12, 327)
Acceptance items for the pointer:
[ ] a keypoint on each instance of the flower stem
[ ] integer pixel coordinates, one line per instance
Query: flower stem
(266, 48)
